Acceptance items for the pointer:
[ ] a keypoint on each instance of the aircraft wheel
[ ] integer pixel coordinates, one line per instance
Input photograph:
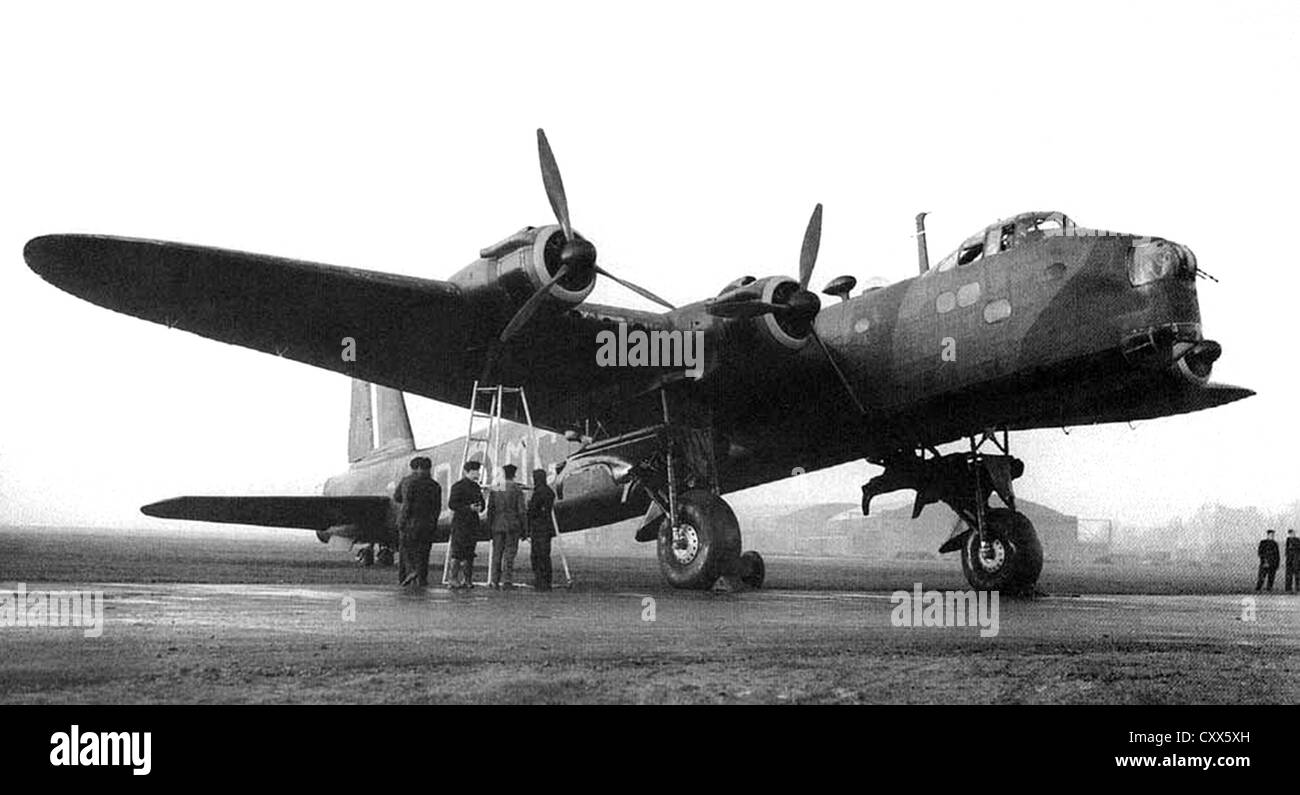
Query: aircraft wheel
(703, 546)
(366, 556)
(752, 569)
(1015, 557)
(385, 556)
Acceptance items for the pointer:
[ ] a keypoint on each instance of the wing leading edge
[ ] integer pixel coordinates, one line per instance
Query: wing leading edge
(299, 310)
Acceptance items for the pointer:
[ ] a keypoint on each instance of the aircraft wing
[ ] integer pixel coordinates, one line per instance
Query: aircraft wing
(416, 335)
(308, 513)
(299, 310)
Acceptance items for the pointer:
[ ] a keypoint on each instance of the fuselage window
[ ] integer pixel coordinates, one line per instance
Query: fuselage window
(945, 302)
(968, 294)
(969, 253)
(996, 311)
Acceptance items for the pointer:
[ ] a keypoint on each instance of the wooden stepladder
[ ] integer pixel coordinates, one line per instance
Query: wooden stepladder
(483, 439)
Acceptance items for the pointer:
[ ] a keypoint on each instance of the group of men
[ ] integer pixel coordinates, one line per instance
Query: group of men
(509, 516)
(1269, 558)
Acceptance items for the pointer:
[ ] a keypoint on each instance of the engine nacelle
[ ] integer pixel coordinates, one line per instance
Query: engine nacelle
(512, 269)
(777, 332)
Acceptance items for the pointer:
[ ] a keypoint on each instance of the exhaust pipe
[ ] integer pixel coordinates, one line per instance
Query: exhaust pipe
(922, 255)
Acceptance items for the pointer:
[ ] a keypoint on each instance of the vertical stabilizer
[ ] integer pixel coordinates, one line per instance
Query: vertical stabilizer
(361, 428)
(394, 424)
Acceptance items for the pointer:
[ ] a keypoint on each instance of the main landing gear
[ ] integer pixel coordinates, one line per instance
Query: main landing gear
(696, 532)
(999, 549)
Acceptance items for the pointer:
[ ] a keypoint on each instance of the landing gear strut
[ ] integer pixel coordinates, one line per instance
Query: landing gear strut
(696, 532)
(1000, 550)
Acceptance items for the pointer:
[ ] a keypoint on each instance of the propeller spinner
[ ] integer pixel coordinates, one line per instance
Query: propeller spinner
(798, 311)
(577, 255)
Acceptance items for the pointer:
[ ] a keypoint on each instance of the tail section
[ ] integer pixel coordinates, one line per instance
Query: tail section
(394, 424)
(361, 430)
(387, 431)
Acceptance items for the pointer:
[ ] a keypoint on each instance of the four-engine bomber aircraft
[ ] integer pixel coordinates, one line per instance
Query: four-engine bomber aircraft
(1033, 322)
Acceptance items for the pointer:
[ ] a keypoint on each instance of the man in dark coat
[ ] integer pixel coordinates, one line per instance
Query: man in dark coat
(1292, 561)
(465, 502)
(538, 530)
(1268, 560)
(505, 518)
(420, 498)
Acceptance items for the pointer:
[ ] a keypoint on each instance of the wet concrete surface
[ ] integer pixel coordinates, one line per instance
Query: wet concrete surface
(822, 631)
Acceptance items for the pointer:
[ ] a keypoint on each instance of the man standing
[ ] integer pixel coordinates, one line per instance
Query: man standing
(1268, 560)
(505, 517)
(465, 501)
(539, 530)
(420, 498)
(1292, 561)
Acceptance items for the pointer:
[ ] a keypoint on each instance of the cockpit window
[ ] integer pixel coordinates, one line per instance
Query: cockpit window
(1000, 238)
(1005, 235)
(971, 250)
(1050, 224)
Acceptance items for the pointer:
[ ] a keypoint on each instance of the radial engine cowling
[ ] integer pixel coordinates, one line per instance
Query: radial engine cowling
(787, 330)
(516, 267)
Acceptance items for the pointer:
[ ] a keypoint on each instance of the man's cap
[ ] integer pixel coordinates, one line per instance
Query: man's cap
(425, 462)
(510, 470)
(472, 465)
(415, 462)
(1270, 532)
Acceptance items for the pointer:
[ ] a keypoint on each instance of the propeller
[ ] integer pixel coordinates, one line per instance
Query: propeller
(799, 311)
(577, 255)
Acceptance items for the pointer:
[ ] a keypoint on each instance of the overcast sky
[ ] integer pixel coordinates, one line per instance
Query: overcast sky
(694, 139)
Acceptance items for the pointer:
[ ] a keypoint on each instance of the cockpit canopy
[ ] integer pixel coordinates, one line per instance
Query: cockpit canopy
(1005, 234)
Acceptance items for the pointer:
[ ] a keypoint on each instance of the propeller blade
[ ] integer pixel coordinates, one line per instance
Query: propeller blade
(812, 240)
(743, 309)
(641, 291)
(840, 373)
(554, 185)
(530, 306)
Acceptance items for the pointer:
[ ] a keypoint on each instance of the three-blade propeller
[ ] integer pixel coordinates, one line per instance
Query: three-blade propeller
(576, 256)
(799, 310)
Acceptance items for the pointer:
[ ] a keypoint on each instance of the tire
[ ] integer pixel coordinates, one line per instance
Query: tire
(1019, 554)
(710, 545)
(384, 557)
(366, 556)
(752, 569)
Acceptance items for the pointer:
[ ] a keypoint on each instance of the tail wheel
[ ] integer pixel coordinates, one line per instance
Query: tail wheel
(704, 545)
(1014, 556)
(752, 569)
(385, 556)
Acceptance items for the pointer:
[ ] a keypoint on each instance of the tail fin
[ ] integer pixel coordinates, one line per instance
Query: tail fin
(361, 429)
(394, 426)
